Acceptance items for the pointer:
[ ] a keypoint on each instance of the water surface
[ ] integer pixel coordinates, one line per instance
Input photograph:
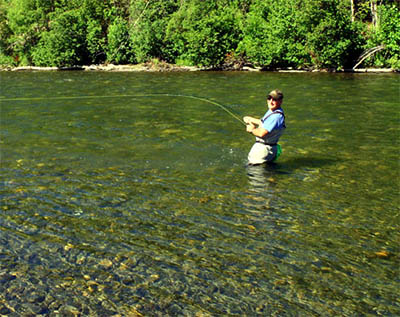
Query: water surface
(144, 204)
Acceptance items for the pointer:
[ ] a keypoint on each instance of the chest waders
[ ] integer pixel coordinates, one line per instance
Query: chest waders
(278, 146)
(278, 152)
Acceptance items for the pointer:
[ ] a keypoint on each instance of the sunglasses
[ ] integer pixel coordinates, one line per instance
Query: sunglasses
(272, 98)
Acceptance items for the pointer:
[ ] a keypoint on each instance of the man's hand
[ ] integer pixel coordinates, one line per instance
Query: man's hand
(246, 119)
(250, 127)
(251, 120)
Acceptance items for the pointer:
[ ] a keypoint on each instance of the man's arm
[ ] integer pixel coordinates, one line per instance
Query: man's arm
(251, 120)
(255, 127)
(257, 131)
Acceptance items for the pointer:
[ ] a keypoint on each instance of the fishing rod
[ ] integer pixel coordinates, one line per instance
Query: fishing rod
(127, 96)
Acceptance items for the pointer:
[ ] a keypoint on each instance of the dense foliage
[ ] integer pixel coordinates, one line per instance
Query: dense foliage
(212, 33)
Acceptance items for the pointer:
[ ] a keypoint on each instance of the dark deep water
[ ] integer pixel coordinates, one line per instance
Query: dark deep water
(144, 206)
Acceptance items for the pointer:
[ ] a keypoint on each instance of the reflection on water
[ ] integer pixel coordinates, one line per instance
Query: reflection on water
(261, 177)
(144, 205)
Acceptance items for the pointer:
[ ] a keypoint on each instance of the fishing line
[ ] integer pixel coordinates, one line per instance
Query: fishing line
(127, 96)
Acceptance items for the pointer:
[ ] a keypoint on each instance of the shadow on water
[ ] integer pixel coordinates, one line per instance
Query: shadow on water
(261, 174)
(293, 164)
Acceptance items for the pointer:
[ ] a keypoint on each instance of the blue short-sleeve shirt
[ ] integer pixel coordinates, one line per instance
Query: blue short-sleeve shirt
(272, 121)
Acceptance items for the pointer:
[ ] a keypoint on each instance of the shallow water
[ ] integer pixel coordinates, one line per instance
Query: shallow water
(144, 204)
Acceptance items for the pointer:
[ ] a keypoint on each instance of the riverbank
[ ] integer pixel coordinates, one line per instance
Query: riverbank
(147, 67)
(165, 67)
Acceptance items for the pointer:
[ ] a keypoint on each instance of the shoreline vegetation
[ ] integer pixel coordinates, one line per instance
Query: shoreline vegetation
(165, 67)
(176, 35)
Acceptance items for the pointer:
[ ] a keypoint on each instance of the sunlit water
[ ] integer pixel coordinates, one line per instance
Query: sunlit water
(144, 205)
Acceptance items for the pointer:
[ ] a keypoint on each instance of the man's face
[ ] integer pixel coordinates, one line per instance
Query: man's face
(273, 104)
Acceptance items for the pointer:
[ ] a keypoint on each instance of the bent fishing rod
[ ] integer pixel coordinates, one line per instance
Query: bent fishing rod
(127, 96)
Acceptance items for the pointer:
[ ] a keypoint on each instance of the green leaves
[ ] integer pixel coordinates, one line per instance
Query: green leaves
(299, 34)
(64, 44)
(208, 40)
(388, 34)
(333, 39)
(119, 48)
(265, 33)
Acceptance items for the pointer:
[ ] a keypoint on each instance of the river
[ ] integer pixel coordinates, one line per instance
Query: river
(128, 193)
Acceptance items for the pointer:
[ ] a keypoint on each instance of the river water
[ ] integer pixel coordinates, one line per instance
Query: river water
(119, 199)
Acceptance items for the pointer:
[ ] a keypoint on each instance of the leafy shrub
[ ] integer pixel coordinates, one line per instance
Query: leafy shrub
(273, 35)
(387, 34)
(95, 42)
(148, 23)
(300, 33)
(207, 40)
(64, 45)
(119, 48)
(5, 33)
(333, 41)
(268, 33)
(7, 60)
(25, 21)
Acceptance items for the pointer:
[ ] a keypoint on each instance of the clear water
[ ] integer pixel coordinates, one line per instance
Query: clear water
(145, 206)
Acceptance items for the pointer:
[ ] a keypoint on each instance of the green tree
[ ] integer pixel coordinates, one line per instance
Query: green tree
(26, 20)
(300, 33)
(203, 33)
(94, 13)
(119, 47)
(148, 21)
(267, 33)
(76, 35)
(332, 41)
(5, 33)
(274, 35)
(64, 44)
(388, 35)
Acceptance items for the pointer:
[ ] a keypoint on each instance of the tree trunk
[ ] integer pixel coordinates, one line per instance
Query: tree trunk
(353, 11)
(374, 12)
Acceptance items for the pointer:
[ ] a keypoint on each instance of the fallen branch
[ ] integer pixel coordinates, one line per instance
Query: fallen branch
(367, 53)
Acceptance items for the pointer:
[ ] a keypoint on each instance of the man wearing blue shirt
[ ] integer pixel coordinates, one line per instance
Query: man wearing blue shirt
(267, 130)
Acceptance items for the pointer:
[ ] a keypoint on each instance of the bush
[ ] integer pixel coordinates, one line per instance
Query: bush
(5, 33)
(300, 33)
(95, 42)
(333, 40)
(95, 14)
(205, 41)
(119, 48)
(273, 35)
(64, 45)
(147, 28)
(267, 33)
(25, 21)
(7, 60)
(387, 34)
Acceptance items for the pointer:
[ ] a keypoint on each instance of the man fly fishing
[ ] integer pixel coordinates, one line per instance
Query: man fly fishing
(267, 130)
